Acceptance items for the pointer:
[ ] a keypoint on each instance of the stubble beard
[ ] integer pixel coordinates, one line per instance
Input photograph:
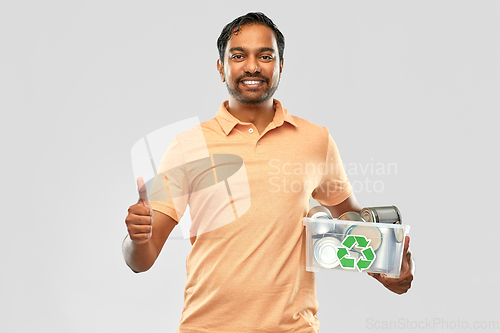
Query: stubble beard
(237, 93)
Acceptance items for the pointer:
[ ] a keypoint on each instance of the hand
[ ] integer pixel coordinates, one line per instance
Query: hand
(403, 283)
(140, 216)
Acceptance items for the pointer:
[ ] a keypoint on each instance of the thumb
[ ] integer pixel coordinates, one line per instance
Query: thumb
(406, 255)
(143, 192)
(407, 244)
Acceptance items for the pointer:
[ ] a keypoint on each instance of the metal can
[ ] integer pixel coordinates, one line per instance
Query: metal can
(325, 252)
(370, 231)
(385, 252)
(385, 214)
(318, 213)
(348, 216)
(351, 216)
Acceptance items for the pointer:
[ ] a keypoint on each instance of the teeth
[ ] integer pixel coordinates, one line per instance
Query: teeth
(252, 82)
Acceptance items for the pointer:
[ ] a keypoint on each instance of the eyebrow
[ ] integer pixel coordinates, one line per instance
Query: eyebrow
(262, 49)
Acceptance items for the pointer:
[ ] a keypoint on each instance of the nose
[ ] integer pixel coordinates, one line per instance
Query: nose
(252, 65)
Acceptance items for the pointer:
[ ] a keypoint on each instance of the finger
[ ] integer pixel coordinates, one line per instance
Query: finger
(377, 277)
(404, 264)
(143, 192)
(390, 281)
(138, 219)
(411, 263)
(404, 278)
(406, 256)
(140, 238)
(139, 209)
(139, 229)
(407, 263)
(398, 288)
(407, 244)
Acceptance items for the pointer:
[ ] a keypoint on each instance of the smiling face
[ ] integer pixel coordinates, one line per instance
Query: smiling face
(252, 68)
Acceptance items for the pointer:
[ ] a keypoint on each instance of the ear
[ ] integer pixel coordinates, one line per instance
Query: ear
(281, 65)
(220, 68)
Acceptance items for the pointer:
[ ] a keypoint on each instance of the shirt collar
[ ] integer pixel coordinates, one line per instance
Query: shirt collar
(227, 121)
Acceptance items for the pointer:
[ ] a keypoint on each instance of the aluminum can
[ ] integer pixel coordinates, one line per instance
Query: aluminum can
(325, 252)
(385, 252)
(351, 216)
(385, 214)
(348, 216)
(321, 212)
(370, 231)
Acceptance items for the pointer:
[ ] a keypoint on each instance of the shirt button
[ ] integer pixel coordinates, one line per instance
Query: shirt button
(250, 130)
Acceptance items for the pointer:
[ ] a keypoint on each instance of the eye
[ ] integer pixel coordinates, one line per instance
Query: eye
(267, 57)
(236, 57)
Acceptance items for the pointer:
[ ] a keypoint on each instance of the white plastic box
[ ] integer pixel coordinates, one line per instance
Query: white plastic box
(354, 246)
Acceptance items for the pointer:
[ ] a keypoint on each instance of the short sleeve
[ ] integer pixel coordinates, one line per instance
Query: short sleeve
(334, 186)
(169, 191)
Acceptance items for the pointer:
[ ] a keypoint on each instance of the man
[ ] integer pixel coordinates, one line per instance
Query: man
(246, 272)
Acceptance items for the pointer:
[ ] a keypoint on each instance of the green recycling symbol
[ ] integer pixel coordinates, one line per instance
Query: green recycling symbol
(367, 251)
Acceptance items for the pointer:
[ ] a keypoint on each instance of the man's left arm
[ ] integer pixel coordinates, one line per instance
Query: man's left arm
(397, 285)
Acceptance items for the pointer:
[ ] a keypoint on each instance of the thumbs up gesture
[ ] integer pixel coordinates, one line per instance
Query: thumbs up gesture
(140, 216)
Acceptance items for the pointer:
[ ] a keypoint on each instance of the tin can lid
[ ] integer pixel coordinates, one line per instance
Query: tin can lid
(368, 215)
(319, 226)
(318, 209)
(399, 234)
(382, 214)
(351, 216)
(325, 252)
(370, 231)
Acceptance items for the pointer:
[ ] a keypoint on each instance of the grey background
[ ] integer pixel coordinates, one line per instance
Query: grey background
(413, 83)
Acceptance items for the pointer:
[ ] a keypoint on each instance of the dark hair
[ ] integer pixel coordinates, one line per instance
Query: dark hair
(250, 18)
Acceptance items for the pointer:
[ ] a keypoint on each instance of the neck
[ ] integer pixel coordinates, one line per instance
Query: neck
(260, 114)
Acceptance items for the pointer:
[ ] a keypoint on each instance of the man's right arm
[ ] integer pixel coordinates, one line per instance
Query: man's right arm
(145, 239)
